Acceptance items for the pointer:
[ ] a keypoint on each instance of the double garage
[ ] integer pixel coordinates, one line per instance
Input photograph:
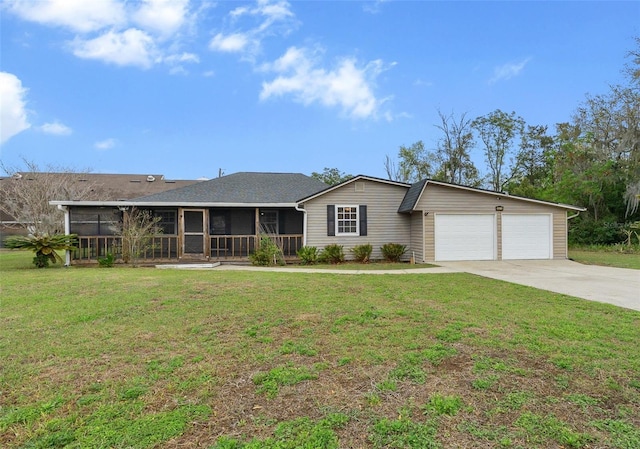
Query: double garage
(477, 236)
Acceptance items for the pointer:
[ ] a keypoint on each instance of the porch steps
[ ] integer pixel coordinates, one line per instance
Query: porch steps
(188, 266)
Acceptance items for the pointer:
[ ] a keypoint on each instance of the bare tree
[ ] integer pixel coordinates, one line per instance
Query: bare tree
(137, 232)
(25, 196)
(393, 172)
(453, 152)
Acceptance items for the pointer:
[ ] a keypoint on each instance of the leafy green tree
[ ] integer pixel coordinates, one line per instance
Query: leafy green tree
(331, 176)
(498, 132)
(533, 164)
(611, 124)
(414, 164)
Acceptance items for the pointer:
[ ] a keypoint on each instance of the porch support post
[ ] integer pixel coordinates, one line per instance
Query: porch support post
(257, 224)
(67, 231)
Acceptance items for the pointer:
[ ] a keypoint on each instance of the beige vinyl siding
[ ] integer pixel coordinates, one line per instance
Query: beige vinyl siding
(384, 223)
(429, 238)
(416, 247)
(560, 229)
(443, 199)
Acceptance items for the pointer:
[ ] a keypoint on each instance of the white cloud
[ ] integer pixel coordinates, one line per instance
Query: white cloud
(56, 128)
(373, 7)
(270, 17)
(231, 43)
(272, 11)
(13, 114)
(130, 47)
(138, 33)
(508, 71)
(78, 15)
(106, 144)
(347, 86)
(164, 17)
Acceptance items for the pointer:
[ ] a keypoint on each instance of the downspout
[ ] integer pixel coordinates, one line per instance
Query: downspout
(304, 223)
(67, 231)
(567, 240)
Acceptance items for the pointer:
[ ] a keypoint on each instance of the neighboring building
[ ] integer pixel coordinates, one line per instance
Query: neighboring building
(97, 186)
(223, 219)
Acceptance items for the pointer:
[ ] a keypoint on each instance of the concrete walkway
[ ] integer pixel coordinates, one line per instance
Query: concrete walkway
(617, 286)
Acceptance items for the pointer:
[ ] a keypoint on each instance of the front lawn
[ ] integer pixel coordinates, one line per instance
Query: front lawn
(142, 358)
(605, 258)
(374, 265)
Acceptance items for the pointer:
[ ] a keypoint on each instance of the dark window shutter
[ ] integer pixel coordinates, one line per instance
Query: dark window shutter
(331, 219)
(363, 220)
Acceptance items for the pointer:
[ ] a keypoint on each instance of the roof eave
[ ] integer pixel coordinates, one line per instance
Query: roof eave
(128, 203)
(500, 195)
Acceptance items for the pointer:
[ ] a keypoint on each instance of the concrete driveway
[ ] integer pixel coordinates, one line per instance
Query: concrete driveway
(617, 286)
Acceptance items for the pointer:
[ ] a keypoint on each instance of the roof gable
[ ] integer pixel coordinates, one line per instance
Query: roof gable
(349, 181)
(242, 188)
(412, 196)
(415, 193)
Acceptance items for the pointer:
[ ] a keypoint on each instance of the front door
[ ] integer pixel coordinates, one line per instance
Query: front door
(193, 242)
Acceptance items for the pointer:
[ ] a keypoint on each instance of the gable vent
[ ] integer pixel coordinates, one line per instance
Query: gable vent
(359, 186)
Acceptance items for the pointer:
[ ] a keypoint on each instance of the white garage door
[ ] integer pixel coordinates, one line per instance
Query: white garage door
(465, 237)
(526, 236)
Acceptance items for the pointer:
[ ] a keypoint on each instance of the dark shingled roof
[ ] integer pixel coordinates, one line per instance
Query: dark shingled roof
(243, 187)
(411, 197)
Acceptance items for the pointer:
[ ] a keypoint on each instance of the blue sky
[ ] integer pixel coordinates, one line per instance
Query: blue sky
(185, 88)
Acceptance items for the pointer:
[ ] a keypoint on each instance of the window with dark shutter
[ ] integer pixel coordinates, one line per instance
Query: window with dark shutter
(363, 220)
(331, 220)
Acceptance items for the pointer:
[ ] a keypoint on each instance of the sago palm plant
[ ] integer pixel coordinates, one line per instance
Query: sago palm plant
(45, 246)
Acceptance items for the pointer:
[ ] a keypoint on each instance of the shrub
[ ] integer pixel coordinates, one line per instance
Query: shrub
(107, 261)
(586, 231)
(332, 254)
(45, 246)
(41, 261)
(308, 255)
(392, 252)
(362, 253)
(267, 254)
(137, 230)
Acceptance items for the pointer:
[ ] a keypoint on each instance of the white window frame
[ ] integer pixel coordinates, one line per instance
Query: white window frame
(355, 210)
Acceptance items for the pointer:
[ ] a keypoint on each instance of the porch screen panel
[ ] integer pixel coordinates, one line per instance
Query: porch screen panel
(193, 244)
(95, 221)
(168, 222)
(193, 221)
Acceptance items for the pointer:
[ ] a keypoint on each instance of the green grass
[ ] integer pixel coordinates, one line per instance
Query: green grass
(145, 358)
(373, 265)
(606, 258)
